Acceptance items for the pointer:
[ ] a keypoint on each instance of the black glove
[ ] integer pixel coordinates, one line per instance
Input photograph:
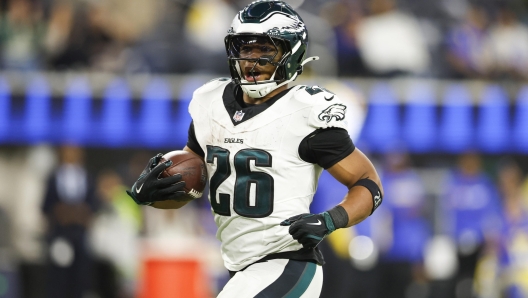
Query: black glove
(310, 229)
(149, 188)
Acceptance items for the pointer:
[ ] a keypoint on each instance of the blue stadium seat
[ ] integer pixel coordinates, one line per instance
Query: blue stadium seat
(154, 120)
(456, 123)
(76, 120)
(5, 108)
(382, 125)
(493, 121)
(116, 116)
(520, 122)
(419, 123)
(37, 114)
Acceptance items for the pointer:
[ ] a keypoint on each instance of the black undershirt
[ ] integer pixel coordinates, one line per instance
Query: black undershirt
(192, 142)
(326, 147)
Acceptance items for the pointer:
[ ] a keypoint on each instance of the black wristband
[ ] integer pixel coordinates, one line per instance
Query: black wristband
(374, 190)
(339, 216)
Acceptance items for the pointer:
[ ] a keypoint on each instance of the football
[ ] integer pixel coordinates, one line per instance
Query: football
(192, 169)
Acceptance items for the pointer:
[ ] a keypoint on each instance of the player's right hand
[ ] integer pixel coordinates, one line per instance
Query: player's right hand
(149, 188)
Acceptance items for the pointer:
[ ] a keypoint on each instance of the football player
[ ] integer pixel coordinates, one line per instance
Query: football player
(265, 144)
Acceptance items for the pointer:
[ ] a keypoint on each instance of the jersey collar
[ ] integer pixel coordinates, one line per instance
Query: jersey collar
(239, 111)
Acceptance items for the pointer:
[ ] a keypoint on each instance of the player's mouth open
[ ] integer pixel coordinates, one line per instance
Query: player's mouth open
(253, 76)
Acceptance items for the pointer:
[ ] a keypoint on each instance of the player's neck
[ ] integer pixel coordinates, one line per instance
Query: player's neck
(256, 101)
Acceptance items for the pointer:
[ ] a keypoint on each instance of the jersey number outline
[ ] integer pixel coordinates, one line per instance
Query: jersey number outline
(263, 182)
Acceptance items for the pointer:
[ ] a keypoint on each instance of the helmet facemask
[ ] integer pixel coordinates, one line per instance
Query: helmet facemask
(261, 51)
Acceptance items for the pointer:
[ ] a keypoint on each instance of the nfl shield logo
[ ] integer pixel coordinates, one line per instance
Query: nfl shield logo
(238, 116)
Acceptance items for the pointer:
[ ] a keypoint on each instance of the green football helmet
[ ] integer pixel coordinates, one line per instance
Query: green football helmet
(273, 23)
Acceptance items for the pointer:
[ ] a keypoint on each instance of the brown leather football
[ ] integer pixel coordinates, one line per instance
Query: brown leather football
(192, 169)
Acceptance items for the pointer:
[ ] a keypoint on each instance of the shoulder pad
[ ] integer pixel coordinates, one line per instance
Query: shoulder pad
(202, 96)
(327, 110)
(212, 84)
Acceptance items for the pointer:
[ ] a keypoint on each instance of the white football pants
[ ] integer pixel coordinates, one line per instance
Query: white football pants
(275, 279)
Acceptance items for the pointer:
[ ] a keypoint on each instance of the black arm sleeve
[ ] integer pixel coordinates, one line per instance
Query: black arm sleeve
(326, 147)
(192, 142)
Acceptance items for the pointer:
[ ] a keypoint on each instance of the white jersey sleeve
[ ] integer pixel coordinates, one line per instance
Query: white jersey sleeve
(327, 110)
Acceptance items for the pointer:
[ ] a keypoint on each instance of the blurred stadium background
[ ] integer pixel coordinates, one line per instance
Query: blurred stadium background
(438, 99)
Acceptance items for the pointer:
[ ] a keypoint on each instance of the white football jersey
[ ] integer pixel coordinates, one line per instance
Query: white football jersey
(256, 176)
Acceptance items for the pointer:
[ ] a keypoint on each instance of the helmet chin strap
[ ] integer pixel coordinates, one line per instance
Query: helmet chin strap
(263, 89)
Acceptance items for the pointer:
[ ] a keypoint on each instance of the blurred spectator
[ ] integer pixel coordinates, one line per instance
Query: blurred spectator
(69, 205)
(206, 38)
(470, 216)
(21, 33)
(97, 34)
(507, 46)
(115, 237)
(58, 30)
(513, 244)
(465, 44)
(323, 43)
(165, 48)
(76, 36)
(124, 22)
(344, 17)
(391, 42)
(401, 261)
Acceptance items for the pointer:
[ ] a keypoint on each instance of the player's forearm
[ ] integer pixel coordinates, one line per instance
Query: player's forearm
(358, 204)
(362, 195)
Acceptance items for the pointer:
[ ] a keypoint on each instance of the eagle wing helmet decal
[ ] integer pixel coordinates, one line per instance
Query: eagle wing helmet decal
(336, 110)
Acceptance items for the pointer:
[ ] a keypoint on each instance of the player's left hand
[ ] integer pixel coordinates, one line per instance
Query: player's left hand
(310, 229)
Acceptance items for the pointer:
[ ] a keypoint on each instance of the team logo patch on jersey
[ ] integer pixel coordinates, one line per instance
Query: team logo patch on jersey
(238, 116)
(336, 111)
